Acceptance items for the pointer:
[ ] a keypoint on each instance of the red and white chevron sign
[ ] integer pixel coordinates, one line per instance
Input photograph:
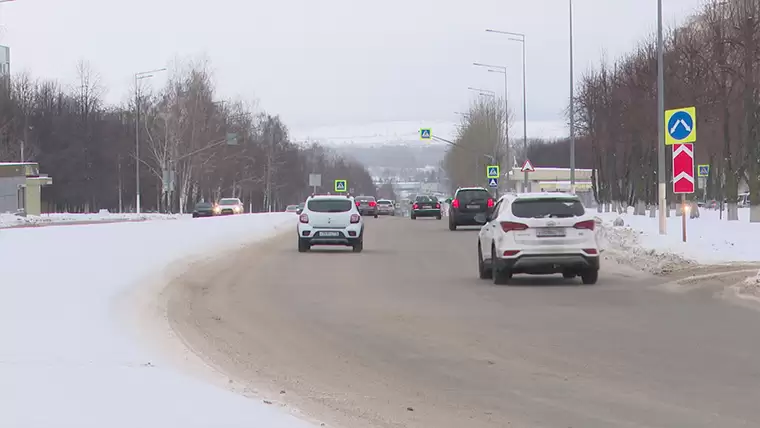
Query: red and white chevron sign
(683, 168)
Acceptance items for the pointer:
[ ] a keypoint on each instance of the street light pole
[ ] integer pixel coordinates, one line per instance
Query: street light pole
(139, 76)
(661, 190)
(502, 69)
(520, 37)
(572, 107)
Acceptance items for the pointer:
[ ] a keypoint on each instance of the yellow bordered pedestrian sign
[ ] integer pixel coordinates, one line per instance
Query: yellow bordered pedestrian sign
(426, 134)
(341, 186)
(680, 125)
(492, 171)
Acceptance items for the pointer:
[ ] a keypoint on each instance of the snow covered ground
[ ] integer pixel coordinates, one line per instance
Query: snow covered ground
(70, 354)
(12, 220)
(710, 240)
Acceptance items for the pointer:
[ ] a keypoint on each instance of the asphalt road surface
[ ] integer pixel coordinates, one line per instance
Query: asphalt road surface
(406, 335)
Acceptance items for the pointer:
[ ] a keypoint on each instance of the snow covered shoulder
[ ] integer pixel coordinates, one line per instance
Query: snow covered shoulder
(67, 359)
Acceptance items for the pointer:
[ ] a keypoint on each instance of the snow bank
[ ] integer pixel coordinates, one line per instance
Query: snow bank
(12, 220)
(710, 240)
(65, 357)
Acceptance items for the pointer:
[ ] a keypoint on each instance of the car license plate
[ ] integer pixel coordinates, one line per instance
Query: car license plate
(473, 206)
(329, 234)
(426, 206)
(550, 232)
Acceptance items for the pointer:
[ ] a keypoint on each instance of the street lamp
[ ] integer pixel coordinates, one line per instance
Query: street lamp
(483, 92)
(520, 37)
(139, 76)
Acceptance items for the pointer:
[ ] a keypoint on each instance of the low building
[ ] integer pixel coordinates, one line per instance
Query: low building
(21, 187)
(554, 180)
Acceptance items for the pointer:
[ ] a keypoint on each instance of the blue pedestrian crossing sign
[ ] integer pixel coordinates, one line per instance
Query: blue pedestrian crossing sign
(426, 134)
(493, 182)
(492, 171)
(703, 170)
(680, 126)
(340, 186)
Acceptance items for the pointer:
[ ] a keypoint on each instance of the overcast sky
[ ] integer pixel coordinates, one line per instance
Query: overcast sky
(322, 63)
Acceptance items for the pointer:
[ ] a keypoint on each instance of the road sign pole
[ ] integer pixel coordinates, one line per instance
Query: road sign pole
(683, 215)
(661, 186)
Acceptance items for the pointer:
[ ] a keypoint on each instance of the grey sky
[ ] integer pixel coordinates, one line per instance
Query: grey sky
(334, 62)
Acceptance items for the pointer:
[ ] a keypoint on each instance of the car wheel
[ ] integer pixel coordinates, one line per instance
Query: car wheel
(375, 215)
(195, 215)
(303, 245)
(452, 226)
(414, 217)
(568, 275)
(483, 271)
(499, 276)
(438, 217)
(589, 277)
(359, 246)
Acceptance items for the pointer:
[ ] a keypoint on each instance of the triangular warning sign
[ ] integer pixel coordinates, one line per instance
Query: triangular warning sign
(527, 166)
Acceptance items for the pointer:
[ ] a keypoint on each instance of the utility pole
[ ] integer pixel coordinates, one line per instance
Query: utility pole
(138, 77)
(661, 189)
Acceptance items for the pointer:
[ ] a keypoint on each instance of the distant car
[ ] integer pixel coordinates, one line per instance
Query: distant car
(470, 207)
(291, 209)
(539, 234)
(386, 207)
(227, 206)
(203, 209)
(426, 206)
(300, 208)
(330, 220)
(367, 205)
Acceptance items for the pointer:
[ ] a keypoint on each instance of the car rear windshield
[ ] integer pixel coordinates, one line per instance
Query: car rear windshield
(330, 205)
(203, 205)
(384, 202)
(364, 198)
(547, 207)
(474, 195)
(228, 202)
(424, 198)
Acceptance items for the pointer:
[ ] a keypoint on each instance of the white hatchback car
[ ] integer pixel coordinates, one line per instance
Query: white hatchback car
(330, 220)
(538, 233)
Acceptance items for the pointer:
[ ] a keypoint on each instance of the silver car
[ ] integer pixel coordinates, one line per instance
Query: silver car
(386, 207)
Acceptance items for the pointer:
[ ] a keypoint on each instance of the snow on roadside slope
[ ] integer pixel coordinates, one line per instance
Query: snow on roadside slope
(12, 220)
(66, 361)
(710, 240)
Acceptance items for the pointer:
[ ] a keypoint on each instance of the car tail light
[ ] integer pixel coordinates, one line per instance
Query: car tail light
(588, 224)
(304, 218)
(508, 226)
(591, 251)
(455, 203)
(415, 206)
(510, 253)
(355, 218)
(438, 205)
(372, 203)
(357, 203)
(490, 203)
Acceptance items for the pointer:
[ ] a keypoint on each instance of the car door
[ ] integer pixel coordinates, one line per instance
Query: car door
(488, 230)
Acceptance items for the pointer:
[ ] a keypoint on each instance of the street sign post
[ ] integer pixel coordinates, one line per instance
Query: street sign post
(683, 176)
(426, 134)
(680, 126)
(493, 182)
(703, 170)
(341, 186)
(492, 171)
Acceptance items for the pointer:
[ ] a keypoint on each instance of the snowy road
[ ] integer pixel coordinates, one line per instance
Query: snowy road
(404, 334)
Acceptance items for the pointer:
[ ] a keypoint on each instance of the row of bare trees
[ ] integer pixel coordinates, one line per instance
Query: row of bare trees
(192, 146)
(480, 141)
(711, 62)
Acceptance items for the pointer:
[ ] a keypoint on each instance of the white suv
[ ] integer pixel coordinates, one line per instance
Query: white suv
(330, 220)
(538, 233)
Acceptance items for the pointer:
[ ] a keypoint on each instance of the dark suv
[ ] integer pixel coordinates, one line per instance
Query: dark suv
(470, 207)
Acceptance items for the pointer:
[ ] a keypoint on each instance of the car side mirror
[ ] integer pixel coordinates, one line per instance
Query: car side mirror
(299, 211)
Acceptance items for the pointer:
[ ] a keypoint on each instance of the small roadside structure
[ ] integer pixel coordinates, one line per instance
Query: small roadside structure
(21, 187)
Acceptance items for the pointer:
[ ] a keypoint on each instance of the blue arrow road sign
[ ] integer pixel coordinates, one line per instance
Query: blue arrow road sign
(680, 125)
(492, 182)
